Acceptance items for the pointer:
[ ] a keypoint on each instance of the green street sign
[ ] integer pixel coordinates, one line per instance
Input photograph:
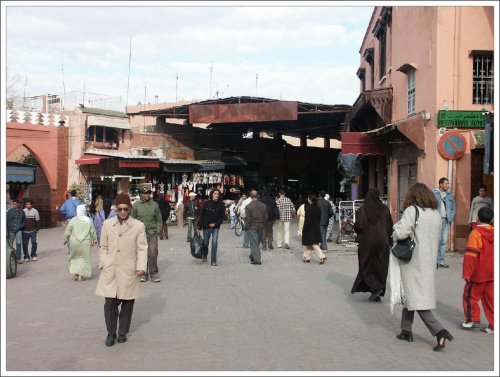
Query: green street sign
(461, 119)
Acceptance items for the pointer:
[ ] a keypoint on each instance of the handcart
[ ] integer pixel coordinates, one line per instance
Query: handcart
(347, 217)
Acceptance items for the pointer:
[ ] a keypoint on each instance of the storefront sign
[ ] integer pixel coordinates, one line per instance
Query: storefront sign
(461, 119)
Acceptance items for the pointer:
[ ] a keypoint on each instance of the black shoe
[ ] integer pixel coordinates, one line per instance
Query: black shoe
(271, 246)
(374, 296)
(110, 340)
(442, 336)
(405, 336)
(253, 262)
(251, 258)
(121, 338)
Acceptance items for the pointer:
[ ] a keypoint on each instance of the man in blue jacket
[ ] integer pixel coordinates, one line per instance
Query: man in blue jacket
(68, 209)
(16, 220)
(447, 208)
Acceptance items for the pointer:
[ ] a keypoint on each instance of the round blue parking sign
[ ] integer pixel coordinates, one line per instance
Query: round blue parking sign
(452, 145)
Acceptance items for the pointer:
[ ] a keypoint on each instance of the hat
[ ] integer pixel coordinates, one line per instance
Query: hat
(122, 199)
(145, 190)
(192, 193)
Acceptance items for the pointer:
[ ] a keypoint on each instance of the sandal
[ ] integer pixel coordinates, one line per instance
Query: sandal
(306, 261)
(322, 260)
(214, 264)
(76, 277)
(81, 278)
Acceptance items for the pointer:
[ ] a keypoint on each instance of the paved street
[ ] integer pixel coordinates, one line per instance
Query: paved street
(284, 315)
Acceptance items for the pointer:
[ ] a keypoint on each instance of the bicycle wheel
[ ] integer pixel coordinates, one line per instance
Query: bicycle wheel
(238, 227)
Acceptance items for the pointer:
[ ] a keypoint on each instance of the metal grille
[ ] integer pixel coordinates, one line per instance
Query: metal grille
(411, 92)
(482, 80)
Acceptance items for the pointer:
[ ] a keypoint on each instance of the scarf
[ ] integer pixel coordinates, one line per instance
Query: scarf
(81, 213)
(397, 292)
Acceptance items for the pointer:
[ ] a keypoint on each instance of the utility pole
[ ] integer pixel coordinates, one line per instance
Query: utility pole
(211, 68)
(64, 86)
(256, 83)
(129, 60)
(176, 84)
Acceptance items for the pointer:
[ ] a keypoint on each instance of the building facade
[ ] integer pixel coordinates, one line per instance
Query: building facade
(425, 72)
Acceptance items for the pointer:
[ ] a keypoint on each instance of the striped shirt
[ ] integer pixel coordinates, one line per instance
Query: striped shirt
(286, 208)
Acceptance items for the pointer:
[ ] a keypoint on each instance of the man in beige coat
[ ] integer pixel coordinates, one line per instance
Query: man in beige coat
(123, 258)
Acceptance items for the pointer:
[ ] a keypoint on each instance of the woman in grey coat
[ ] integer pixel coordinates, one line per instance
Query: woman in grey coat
(413, 283)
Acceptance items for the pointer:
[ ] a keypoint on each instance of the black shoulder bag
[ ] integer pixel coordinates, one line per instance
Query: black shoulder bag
(403, 249)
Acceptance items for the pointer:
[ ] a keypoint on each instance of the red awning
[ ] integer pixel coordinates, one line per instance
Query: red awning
(90, 159)
(359, 143)
(138, 164)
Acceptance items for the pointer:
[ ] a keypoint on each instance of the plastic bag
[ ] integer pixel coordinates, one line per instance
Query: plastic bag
(196, 245)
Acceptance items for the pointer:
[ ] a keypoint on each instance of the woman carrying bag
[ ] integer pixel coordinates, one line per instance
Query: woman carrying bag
(413, 283)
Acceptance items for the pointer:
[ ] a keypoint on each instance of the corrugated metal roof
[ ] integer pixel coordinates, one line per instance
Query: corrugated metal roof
(92, 110)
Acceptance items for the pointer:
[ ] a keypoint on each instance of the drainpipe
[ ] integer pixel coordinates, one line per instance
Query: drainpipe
(456, 48)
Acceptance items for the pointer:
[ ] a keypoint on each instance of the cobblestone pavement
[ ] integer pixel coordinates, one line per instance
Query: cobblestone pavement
(284, 315)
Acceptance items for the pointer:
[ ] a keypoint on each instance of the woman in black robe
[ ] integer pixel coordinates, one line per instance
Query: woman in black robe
(374, 225)
(311, 233)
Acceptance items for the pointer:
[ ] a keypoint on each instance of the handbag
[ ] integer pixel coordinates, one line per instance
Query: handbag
(403, 249)
(196, 245)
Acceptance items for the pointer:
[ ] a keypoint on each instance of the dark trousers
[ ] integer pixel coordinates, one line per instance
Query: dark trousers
(267, 233)
(254, 236)
(152, 253)
(323, 229)
(27, 236)
(111, 315)
(427, 317)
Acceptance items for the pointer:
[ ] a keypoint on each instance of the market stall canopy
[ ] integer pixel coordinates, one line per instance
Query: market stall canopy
(90, 159)
(255, 114)
(103, 121)
(359, 143)
(18, 172)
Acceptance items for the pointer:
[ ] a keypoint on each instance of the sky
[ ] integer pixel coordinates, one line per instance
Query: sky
(185, 51)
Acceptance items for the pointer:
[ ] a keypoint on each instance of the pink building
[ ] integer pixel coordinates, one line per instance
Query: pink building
(424, 72)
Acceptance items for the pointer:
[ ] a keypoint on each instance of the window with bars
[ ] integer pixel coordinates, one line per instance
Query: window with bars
(411, 92)
(382, 58)
(482, 79)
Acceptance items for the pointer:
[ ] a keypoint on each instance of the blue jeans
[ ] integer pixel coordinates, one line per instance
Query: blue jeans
(233, 221)
(445, 231)
(246, 241)
(192, 224)
(214, 232)
(26, 239)
(323, 229)
(17, 239)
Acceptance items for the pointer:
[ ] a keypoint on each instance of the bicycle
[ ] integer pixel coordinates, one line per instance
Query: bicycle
(240, 224)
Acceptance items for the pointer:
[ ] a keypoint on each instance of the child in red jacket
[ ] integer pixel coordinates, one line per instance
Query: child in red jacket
(478, 272)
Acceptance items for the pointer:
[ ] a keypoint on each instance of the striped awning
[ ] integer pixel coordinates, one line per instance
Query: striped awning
(20, 174)
(90, 159)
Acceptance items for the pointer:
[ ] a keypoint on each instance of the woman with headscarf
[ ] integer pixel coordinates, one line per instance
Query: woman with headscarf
(374, 225)
(82, 236)
(413, 283)
(311, 232)
(105, 213)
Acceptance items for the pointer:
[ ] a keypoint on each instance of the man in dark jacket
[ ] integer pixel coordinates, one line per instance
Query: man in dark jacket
(273, 215)
(191, 213)
(326, 213)
(255, 222)
(16, 220)
(211, 218)
(165, 208)
(68, 209)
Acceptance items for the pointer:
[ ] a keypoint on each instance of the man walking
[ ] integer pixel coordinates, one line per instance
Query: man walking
(273, 215)
(123, 256)
(287, 213)
(447, 209)
(148, 212)
(211, 217)
(31, 228)
(326, 213)
(242, 213)
(255, 222)
(16, 220)
(480, 201)
(68, 209)
(191, 213)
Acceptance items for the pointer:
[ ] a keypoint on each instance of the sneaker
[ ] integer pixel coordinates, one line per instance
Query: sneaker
(20, 261)
(443, 265)
(34, 258)
(471, 325)
(26, 259)
(488, 330)
(279, 246)
(155, 278)
(143, 278)
(286, 246)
